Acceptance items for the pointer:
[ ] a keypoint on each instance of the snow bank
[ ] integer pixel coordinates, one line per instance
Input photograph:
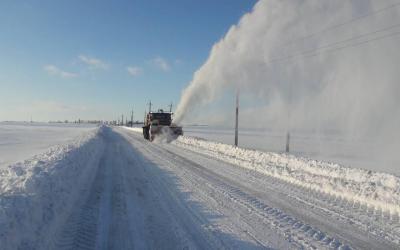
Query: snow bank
(20, 140)
(35, 193)
(374, 189)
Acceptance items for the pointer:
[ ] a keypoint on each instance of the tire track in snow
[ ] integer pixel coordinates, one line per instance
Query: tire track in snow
(188, 217)
(105, 216)
(96, 221)
(80, 231)
(201, 186)
(350, 223)
(186, 223)
(370, 220)
(374, 227)
(294, 230)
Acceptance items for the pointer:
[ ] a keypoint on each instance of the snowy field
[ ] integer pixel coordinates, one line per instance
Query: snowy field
(334, 148)
(108, 188)
(20, 141)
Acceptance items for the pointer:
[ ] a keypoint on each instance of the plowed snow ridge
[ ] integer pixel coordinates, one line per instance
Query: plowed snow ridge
(379, 190)
(39, 190)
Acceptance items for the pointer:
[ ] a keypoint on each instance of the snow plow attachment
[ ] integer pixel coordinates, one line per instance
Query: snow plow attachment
(159, 124)
(166, 132)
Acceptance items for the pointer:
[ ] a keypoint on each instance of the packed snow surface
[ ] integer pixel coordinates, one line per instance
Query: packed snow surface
(19, 141)
(110, 189)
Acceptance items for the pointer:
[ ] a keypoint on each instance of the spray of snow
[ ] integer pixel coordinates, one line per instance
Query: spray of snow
(166, 136)
(304, 76)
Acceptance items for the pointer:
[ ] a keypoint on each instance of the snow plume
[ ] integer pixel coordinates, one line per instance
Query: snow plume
(313, 65)
(164, 137)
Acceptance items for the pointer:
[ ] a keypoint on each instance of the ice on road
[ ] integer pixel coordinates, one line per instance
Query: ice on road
(128, 193)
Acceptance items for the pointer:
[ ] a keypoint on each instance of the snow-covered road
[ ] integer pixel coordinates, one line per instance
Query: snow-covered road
(142, 195)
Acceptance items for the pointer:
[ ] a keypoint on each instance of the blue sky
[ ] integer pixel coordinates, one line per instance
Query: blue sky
(96, 59)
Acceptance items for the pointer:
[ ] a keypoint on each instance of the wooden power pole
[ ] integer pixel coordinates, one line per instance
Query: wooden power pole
(237, 119)
(170, 108)
(132, 118)
(287, 141)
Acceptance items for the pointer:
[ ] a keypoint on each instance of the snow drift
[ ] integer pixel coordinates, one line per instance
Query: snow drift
(35, 193)
(374, 189)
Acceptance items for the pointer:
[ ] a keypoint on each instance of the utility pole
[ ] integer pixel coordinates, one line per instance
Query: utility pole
(149, 106)
(122, 120)
(289, 118)
(237, 119)
(132, 118)
(170, 108)
(287, 141)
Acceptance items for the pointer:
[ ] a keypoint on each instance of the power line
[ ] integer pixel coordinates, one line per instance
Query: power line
(359, 36)
(323, 49)
(362, 42)
(336, 26)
